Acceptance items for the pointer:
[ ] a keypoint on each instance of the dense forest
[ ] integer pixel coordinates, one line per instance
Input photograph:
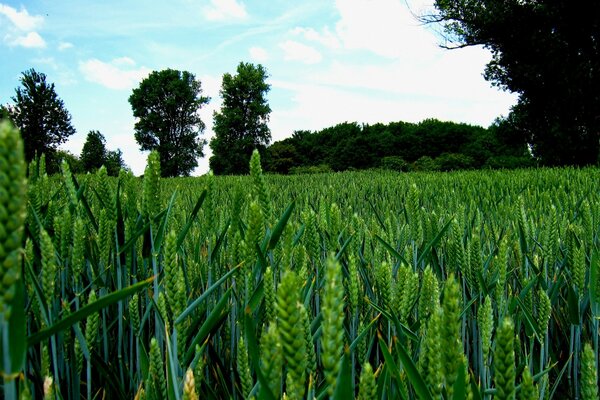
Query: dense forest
(425, 146)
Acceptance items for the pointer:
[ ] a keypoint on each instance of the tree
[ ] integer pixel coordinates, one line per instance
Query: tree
(114, 162)
(546, 51)
(241, 126)
(40, 115)
(75, 164)
(166, 104)
(93, 153)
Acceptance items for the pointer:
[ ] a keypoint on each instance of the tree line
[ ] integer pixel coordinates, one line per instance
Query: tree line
(544, 50)
(429, 145)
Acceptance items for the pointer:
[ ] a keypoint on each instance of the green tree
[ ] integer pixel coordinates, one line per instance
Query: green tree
(75, 164)
(547, 52)
(93, 153)
(241, 125)
(166, 105)
(41, 116)
(114, 162)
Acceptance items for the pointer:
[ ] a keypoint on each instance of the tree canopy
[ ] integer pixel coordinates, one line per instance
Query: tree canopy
(546, 51)
(241, 125)
(40, 115)
(94, 155)
(401, 146)
(166, 105)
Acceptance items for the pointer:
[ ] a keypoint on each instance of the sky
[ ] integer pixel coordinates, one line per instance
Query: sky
(329, 61)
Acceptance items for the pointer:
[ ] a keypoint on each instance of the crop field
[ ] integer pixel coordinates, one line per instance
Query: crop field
(369, 285)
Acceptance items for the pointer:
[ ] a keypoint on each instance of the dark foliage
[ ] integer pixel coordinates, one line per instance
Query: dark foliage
(428, 145)
(166, 104)
(241, 125)
(548, 52)
(41, 116)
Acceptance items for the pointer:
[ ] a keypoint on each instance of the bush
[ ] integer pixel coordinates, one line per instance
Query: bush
(395, 163)
(425, 163)
(311, 169)
(454, 161)
(509, 162)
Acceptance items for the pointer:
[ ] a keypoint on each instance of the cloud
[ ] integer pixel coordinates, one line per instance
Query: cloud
(384, 27)
(116, 74)
(295, 51)
(220, 10)
(22, 28)
(325, 37)
(62, 46)
(21, 19)
(30, 41)
(258, 54)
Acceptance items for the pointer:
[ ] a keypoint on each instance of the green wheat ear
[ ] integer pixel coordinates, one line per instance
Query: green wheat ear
(589, 384)
(430, 358)
(157, 375)
(504, 361)
(430, 292)
(151, 190)
(450, 332)
(291, 331)
(189, 386)
(485, 319)
(260, 189)
(12, 212)
(49, 268)
(271, 358)
(244, 368)
(92, 325)
(528, 389)
(332, 338)
(367, 388)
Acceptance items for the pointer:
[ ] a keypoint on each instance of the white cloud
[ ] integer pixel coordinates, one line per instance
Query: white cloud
(22, 20)
(30, 40)
(258, 54)
(295, 51)
(220, 10)
(384, 27)
(123, 61)
(62, 46)
(22, 28)
(114, 74)
(325, 37)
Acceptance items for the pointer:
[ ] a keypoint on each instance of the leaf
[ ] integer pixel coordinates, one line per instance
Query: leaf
(573, 303)
(425, 251)
(460, 390)
(204, 295)
(410, 368)
(254, 356)
(214, 319)
(89, 309)
(364, 332)
(391, 250)
(343, 385)
(191, 218)
(390, 364)
(14, 355)
(594, 272)
(278, 230)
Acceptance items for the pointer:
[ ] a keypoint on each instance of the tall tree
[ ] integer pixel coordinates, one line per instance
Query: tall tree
(40, 114)
(93, 153)
(547, 51)
(114, 162)
(241, 125)
(166, 104)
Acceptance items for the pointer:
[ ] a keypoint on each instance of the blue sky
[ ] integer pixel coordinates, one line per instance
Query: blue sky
(329, 61)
